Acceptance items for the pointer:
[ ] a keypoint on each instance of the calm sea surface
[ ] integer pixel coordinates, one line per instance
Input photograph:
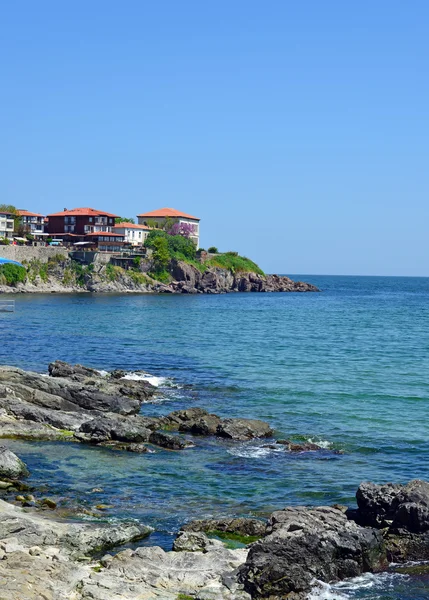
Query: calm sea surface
(348, 367)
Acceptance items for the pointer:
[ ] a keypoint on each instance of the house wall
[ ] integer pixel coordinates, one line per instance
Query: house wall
(6, 226)
(77, 224)
(132, 235)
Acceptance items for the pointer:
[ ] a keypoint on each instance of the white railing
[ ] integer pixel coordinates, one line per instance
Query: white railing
(7, 305)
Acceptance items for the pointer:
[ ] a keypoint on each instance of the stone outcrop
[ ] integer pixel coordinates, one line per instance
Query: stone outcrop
(245, 527)
(79, 403)
(402, 512)
(198, 421)
(303, 544)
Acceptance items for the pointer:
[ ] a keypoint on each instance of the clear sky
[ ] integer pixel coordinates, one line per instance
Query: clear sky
(297, 131)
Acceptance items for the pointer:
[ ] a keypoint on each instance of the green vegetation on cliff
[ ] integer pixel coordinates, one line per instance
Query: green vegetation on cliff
(11, 274)
(234, 262)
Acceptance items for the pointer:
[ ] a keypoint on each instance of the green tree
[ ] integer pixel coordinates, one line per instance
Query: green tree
(161, 255)
(213, 250)
(124, 220)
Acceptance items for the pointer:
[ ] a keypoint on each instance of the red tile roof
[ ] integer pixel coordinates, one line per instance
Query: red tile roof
(27, 213)
(168, 212)
(85, 212)
(131, 226)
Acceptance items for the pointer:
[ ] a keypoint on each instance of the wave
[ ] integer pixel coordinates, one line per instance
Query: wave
(368, 586)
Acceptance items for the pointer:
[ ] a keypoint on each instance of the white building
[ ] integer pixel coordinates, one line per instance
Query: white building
(33, 223)
(158, 218)
(134, 234)
(6, 225)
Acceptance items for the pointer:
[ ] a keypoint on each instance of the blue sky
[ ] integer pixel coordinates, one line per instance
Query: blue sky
(297, 131)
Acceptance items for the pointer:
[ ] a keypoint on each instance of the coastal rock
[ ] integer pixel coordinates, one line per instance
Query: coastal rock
(304, 447)
(199, 422)
(11, 466)
(306, 543)
(393, 505)
(151, 573)
(171, 442)
(243, 429)
(35, 529)
(190, 541)
(114, 427)
(246, 527)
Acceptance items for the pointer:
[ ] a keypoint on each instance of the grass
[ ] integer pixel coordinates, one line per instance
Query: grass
(233, 540)
(235, 263)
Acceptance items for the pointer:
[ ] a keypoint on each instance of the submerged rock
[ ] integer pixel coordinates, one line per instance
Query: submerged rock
(191, 541)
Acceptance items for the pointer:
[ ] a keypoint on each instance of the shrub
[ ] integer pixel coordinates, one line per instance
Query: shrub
(213, 250)
(177, 245)
(235, 263)
(4, 241)
(12, 274)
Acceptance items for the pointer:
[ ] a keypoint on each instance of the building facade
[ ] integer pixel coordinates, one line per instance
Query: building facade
(170, 216)
(80, 221)
(134, 234)
(6, 225)
(33, 223)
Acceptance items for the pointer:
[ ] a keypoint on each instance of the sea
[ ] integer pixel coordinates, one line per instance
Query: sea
(347, 368)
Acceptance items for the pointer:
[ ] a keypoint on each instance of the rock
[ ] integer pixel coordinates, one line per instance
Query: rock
(246, 527)
(4, 485)
(199, 422)
(74, 372)
(49, 503)
(243, 429)
(304, 447)
(189, 541)
(151, 573)
(306, 543)
(34, 529)
(114, 427)
(171, 442)
(10, 465)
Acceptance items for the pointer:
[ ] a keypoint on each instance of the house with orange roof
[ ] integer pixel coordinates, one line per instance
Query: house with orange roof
(159, 218)
(32, 222)
(80, 221)
(133, 233)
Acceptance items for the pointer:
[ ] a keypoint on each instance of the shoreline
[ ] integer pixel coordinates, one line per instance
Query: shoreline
(47, 550)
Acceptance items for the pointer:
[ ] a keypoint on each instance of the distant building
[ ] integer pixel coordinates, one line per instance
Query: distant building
(6, 225)
(33, 223)
(86, 227)
(80, 221)
(158, 218)
(134, 234)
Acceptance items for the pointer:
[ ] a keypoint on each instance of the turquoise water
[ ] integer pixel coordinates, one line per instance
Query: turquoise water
(348, 367)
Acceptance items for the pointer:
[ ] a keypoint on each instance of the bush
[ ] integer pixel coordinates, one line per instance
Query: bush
(12, 274)
(235, 263)
(177, 246)
(213, 250)
(4, 241)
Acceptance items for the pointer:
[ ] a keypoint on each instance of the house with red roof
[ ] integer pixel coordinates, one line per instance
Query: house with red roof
(32, 222)
(159, 218)
(86, 226)
(133, 233)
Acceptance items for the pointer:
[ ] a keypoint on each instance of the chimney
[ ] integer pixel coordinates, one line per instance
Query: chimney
(65, 209)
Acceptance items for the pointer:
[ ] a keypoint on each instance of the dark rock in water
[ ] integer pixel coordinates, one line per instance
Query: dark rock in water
(74, 372)
(246, 527)
(115, 427)
(394, 505)
(171, 442)
(304, 447)
(243, 429)
(199, 422)
(306, 543)
(11, 466)
(205, 425)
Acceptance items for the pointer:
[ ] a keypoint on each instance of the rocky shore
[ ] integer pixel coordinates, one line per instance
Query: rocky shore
(44, 555)
(66, 276)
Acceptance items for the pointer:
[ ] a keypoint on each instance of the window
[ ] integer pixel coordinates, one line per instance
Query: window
(90, 219)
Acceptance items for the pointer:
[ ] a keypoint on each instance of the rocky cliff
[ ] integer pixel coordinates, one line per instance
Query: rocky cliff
(63, 275)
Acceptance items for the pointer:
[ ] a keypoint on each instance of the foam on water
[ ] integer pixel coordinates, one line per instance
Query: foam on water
(152, 379)
(322, 443)
(368, 586)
